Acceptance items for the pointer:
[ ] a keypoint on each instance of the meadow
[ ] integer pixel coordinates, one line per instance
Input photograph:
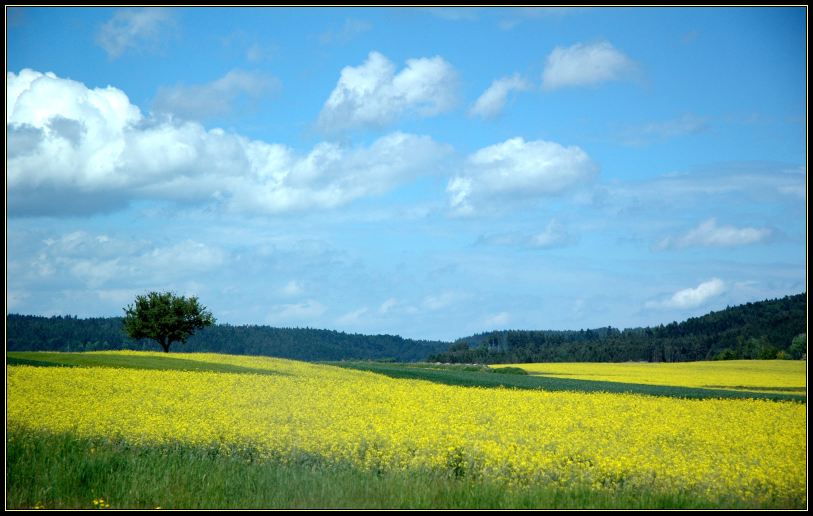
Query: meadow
(146, 430)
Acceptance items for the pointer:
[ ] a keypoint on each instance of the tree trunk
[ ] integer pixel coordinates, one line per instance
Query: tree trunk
(165, 344)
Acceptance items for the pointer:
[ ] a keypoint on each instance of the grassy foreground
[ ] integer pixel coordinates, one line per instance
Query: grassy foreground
(62, 471)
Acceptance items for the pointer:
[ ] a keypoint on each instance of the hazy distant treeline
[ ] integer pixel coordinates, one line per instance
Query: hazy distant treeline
(767, 329)
(67, 333)
(763, 330)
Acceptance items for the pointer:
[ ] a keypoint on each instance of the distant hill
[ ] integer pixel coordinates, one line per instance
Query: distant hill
(67, 333)
(766, 329)
(754, 330)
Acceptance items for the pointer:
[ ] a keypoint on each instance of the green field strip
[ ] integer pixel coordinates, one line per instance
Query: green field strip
(486, 379)
(169, 363)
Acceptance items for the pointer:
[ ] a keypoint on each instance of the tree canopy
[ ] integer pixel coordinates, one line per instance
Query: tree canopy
(165, 318)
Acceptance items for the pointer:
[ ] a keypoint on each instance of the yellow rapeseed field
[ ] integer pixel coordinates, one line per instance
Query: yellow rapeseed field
(760, 375)
(755, 449)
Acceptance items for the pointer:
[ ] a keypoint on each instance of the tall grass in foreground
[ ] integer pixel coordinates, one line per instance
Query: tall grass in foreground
(63, 471)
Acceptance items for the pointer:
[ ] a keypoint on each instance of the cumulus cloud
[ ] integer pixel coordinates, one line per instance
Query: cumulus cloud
(709, 234)
(215, 98)
(80, 150)
(516, 169)
(492, 101)
(691, 297)
(100, 261)
(133, 29)
(373, 95)
(585, 64)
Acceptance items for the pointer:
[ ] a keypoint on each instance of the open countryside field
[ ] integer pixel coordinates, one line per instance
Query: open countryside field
(742, 375)
(143, 430)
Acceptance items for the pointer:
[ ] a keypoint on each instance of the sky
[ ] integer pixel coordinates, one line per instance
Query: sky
(427, 172)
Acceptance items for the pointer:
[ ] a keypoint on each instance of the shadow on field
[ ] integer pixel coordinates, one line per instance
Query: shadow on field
(548, 383)
(163, 363)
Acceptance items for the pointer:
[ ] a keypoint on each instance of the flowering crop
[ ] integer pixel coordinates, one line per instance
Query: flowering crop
(761, 375)
(752, 449)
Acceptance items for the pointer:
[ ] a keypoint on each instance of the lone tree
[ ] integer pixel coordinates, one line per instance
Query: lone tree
(165, 317)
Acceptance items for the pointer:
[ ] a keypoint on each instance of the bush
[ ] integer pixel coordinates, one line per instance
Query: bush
(509, 370)
(726, 354)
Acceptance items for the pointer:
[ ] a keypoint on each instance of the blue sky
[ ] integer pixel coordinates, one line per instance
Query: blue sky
(424, 172)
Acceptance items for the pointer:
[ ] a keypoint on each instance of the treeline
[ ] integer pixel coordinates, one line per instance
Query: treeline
(764, 330)
(67, 333)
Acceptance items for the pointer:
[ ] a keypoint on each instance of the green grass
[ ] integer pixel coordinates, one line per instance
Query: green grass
(459, 376)
(62, 471)
(103, 359)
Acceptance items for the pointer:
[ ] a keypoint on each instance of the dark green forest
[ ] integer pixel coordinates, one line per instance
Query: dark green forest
(66, 333)
(766, 329)
(763, 330)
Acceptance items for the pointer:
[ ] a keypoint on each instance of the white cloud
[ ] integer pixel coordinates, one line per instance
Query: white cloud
(306, 311)
(442, 300)
(293, 288)
(554, 235)
(373, 95)
(99, 261)
(585, 64)
(658, 131)
(395, 307)
(215, 98)
(522, 14)
(352, 318)
(735, 182)
(492, 101)
(351, 29)
(387, 306)
(498, 320)
(119, 296)
(257, 53)
(133, 29)
(518, 169)
(691, 297)
(113, 154)
(709, 234)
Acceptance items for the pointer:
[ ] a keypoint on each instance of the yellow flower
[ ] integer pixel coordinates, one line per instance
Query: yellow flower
(754, 448)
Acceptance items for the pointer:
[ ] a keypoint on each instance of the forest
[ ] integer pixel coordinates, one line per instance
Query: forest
(68, 333)
(762, 330)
